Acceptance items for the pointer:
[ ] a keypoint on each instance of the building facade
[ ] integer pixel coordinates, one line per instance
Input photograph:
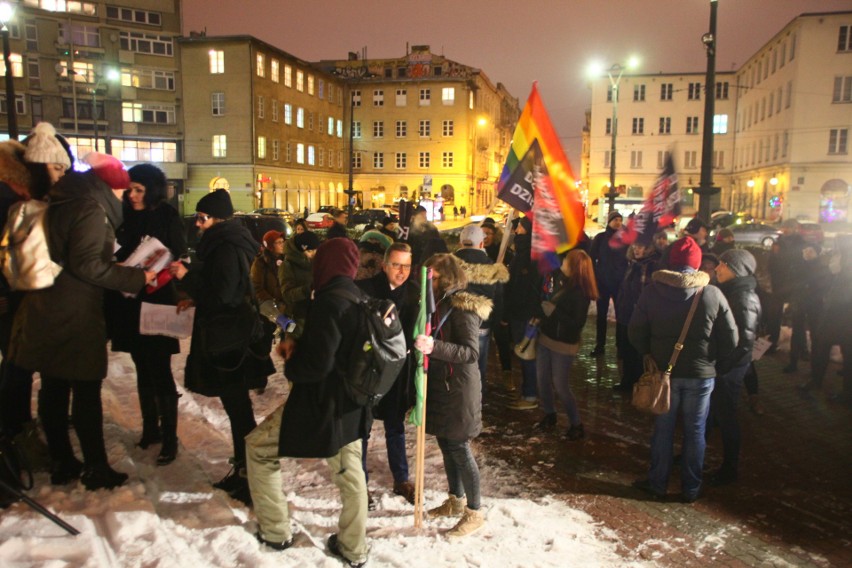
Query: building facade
(105, 74)
(781, 127)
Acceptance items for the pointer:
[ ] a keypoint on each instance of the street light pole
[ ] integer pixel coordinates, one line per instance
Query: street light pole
(613, 192)
(705, 188)
(6, 12)
(481, 121)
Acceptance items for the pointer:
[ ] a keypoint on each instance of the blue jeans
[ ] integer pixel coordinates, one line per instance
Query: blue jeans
(462, 471)
(690, 398)
(484, 344)
(528, 374)
(723, 413)
(395, 444)
(554, 370)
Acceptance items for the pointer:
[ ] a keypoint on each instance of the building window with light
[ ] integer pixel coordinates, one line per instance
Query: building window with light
(378, 160)
(274, 70)
(261, 147)
(447, 160)
(300, 153)
(665, 125)
(425, 97)
(311, 85)
(447, 128)
(288, 76)
(638, 93)
(378, 129)
(424, 159)
(425, 128)
(147, 113)
(17, 65)
(638, 125)
(692, 125)
(300, 117)
(666, 90)
(330, 131)
(378, 98)
(300, 81)
(837, 140)
(144, 150)
(720, 124)
(217, 61)
(220, 146)
(217, 104)
(448, 96)
(147, 79)
(339, 128)
(694, 92)
(261, 65)
(401, 129)
(312, 161)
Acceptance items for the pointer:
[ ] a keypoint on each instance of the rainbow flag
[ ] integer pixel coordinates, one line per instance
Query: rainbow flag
(533, 127)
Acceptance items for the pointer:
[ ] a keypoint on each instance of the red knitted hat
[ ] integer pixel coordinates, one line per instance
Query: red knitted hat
(685, 252)
(335, 257)
(269, 238)
(109, 169)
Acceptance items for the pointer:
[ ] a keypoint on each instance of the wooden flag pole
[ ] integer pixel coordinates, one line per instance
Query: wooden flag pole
(507, 230)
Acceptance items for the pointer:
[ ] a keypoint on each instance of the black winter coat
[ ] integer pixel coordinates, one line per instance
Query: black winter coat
(163, 223)
(454, 390)
(525, 284)
(221, 282)
(610, 263)
(661, 312)
(638, 275)
(319, 418)
(484, 278)
(566, 322)
(741, 294)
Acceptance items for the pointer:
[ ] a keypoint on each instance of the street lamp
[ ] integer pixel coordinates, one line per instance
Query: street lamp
(6, 13)
(481, 121)
(705, 188)
(614, 73)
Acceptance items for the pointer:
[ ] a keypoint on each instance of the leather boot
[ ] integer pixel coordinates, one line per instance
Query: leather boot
(168, 427)
(150, 421)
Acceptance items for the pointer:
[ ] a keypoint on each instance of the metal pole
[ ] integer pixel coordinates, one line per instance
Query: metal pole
(350, 192)
(705, 189)
(11, 107)
(613, 192)
(95, 112)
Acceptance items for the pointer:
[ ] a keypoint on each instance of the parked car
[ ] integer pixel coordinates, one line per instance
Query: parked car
(319, 221)
(283, 213)
(722, 219)
(811, 233)
(257, 225)
(755, 233)
(365, 216)
(326, 208)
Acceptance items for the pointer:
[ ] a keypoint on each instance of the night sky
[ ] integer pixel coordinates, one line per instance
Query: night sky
(515, 42)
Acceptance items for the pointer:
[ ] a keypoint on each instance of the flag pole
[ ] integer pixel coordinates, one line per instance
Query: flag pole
(504, 244)
(420, 453)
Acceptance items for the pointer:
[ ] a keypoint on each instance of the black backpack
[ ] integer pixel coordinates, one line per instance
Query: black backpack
(378, 351)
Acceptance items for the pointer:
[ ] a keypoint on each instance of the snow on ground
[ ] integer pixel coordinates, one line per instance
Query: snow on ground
(171, 516)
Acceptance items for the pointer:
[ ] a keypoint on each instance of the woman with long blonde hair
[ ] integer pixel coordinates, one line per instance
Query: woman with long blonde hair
(571, 289)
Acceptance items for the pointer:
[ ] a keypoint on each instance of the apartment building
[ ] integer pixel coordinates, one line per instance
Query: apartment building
(106, 74)
(781, 127)
(263, 124)
(424, 126)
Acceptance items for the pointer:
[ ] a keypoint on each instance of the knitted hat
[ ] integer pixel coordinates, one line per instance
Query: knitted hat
(387, 220)
(380, 238)
(335, 257)
(472, 236)
(695, 224)
(613, 215)
(216, 204)
(740, 261)
(149, 176)
(307, 241)
(269, 238)
(44, 146)
(109, 169)
(685, 252)
(724, 234)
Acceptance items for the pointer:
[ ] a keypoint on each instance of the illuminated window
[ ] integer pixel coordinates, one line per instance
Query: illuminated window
(144, 150)
(339, 128)
(288, 113)
(310, 84)
(312, 161)
(147, 79)
(273, 70)
(261, 65)
(261, 147)
(17, 65)
(217, 61)
(300, 153)
(300, 81)
(720, 124)
(288, 76)
(331, 126)
(147, 113)
(300, 117)
(448, 96)
(220, 145)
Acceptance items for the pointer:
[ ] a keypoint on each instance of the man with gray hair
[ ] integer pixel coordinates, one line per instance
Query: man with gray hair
(486, 279)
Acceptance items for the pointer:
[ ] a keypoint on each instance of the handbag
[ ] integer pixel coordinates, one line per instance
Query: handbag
(652, 392)
(525, 349)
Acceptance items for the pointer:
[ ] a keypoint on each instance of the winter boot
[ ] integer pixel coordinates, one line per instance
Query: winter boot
(470, 522)
(575, 432)
(65, 471)
(451, 507)
(150, 418)
(232, 481)
(169, 411)
(102, 476)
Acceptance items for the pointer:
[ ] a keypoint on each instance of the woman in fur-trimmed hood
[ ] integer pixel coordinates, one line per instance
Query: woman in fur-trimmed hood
(454, 409)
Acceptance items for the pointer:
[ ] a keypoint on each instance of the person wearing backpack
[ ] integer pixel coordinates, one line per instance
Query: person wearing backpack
(318, 420)
(27, 171)
(454, 391)
(60, 331)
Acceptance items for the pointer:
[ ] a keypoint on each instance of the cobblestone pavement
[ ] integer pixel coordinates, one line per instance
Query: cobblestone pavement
(792, 505)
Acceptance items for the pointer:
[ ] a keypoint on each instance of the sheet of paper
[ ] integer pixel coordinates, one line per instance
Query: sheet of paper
(150, 255)
(155, 319)
(761, 345)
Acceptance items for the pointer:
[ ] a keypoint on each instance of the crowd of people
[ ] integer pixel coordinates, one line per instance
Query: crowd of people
(98, 218)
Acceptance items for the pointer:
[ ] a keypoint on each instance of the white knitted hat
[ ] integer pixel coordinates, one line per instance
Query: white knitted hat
(44, 148)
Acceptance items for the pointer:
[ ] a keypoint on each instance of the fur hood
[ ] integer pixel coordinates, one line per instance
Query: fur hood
(475, 303)
(12, 168)
(684, 280)
(484, 273)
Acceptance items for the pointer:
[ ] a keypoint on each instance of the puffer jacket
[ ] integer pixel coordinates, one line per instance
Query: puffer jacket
(484, 278)
(661, 312)
(454, 409)
(741, 294)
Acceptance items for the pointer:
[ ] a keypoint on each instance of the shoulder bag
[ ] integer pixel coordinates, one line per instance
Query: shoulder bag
(652, 392)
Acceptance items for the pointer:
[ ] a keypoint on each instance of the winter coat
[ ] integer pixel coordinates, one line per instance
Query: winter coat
(406, 298)
(264, 278)
(610, 263)
(60, 331)
(454, 391)
(565, 323)
(661, 312)
(163, 223)
(785, 266)
(741, 294)
(221, 283)
(484, 278)
(295, 277)
(525, 284)
(318, 417)
(638, 275)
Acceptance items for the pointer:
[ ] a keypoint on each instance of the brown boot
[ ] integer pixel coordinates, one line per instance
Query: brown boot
(452, 507)
(404, 489)
(470, 522)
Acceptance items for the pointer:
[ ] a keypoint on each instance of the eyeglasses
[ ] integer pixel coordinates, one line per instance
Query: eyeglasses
(398, 266)
(202, 218)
